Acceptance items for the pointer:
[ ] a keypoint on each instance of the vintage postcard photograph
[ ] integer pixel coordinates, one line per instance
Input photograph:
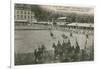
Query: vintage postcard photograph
(53, 34)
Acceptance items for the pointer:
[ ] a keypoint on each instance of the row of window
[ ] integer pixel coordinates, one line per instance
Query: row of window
(22, 12)
(23, 17)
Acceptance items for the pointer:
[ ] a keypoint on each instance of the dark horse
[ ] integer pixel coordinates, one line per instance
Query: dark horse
(57, 51)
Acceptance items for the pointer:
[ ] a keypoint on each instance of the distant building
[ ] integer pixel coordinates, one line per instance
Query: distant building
(62, 21)
(81, 25)
(23, 14)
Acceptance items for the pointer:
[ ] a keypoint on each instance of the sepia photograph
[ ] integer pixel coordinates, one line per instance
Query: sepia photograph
(45, 34)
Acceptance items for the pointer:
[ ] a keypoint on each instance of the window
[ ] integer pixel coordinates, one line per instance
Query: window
(28, 13)
(17, 12)
(21, 16)
(21, 12)
(18, 17)
(25, 16)
(25, 12)
(28, 17)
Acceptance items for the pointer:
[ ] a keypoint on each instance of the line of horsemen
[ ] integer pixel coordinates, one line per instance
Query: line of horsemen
(63, 52)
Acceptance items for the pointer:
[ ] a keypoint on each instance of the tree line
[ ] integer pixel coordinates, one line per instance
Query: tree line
(42, 15)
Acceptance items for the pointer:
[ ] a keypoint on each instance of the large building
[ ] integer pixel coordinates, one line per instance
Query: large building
(23, 14)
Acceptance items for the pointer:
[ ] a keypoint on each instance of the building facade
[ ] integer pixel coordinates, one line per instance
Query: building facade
(23, 14)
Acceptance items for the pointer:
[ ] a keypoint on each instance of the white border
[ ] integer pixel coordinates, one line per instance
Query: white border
(84, 3)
